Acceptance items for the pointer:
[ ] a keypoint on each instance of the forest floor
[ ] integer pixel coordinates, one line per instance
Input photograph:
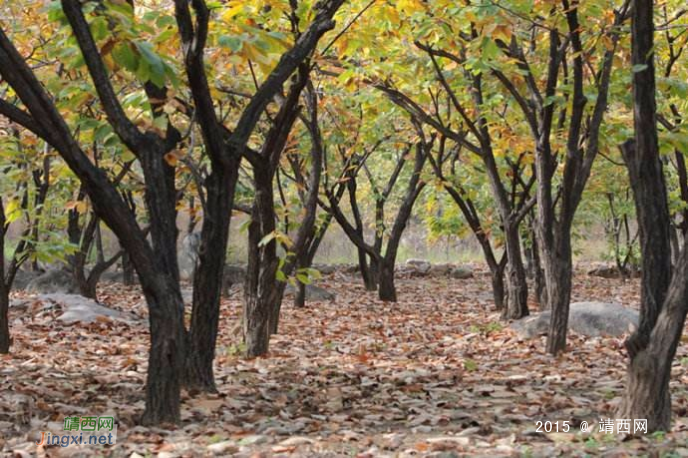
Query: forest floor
(436, 374)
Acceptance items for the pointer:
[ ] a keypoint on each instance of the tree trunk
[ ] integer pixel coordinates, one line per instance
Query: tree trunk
(386, 289)
(166, 356)
(497, 276)
(260, 286)
(205, 314)
(541, 289)
(367, 271)
(647, 388)
(300, 290)
(162, 291)
(516, 283)
(4, 290)
(558, 271)
(300, 296)
(128, 272)
(663, 300)
(538, 273)
(4, 317)
(654, 228)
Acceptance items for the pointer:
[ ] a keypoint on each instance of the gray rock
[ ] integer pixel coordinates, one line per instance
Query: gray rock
(350, 268)
(314, 293)
(23, 278)
(188, 255)
(418, 266)
(232, 275)
(74, 308)
(113, 276)
(612, 272)
(325, 269)
(461, 273)
(53, 281)
(440, 270)
(593, 319)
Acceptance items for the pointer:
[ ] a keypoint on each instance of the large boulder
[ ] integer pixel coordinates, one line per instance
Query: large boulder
(53, 281)
(72, 308)
(314, 293)
(188, 255)
(461, 273)
(440, 270)
(418, 266)
(23, 278)
(593, 319)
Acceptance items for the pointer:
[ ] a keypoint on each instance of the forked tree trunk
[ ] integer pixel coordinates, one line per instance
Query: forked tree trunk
(207, 289)
(516, 282)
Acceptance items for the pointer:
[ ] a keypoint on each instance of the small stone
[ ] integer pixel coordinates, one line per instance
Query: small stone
(223, 447)
(461, 273)
(296, 441)
(453, 439)
(166, 455)
(253, 440)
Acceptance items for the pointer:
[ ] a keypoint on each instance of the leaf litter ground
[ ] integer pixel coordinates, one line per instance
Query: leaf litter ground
(436, 374)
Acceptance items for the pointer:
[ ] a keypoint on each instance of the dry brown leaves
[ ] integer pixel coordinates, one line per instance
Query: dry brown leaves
(436, 374)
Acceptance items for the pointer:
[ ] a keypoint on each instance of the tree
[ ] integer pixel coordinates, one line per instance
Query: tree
(156, 264)
(383, 263)
(664, 299)
(5, 338)
(557, 207)
(266, 272)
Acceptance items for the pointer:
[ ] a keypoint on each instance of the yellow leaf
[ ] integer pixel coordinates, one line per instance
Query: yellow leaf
(233, 10)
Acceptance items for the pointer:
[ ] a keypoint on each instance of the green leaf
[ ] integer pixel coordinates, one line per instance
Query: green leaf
(125, 57)
(156, 66)
(303, 278)
(231, 42)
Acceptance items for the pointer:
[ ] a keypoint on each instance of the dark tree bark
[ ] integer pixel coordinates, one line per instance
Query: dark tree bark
(647, 387)
(537, 271)
(208, 278)
(649, 191)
